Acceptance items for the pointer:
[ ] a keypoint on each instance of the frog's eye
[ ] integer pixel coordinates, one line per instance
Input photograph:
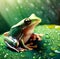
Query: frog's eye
(27, 21)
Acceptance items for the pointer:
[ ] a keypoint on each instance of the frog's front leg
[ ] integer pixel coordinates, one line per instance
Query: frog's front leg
(36, 36)
(39, 36)
(25, 46)
(33, 39)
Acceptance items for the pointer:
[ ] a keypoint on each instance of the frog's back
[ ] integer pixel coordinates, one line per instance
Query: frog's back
(14, 31)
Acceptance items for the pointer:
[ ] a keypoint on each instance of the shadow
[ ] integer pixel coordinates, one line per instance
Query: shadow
(11, 49)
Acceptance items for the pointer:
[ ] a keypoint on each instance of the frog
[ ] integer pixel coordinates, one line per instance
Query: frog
(19, 34)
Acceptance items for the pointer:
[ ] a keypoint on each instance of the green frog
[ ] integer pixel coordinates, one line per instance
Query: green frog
(20, 33)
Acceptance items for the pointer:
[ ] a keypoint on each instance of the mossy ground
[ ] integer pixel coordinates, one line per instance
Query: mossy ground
(47, 47)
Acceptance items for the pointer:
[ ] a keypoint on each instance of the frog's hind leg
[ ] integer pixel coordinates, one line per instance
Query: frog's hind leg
(11, 42)
(18, 49)
(11, 46)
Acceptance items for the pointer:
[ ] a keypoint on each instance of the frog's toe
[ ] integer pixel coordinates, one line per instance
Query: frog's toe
(6, 33)
(41, 35)
(21, 49)
(30, 48)
(39, 38)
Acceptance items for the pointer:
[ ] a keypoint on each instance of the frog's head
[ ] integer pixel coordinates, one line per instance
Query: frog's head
(33, 20)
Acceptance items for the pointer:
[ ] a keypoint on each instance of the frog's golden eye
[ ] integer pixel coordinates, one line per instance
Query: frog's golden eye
(27, 21)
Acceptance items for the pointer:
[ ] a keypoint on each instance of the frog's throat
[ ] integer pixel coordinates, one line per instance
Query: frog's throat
(28, 32)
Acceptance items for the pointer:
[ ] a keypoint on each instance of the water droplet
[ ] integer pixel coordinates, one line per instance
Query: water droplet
(16, 18)
(34, 57)
(22, 56)
(49, 44)
(40, 51)
(39, 58)
(32, 5)
(56, 31)
(47, 36)
(5, 55)
(1, 44)
(52, 54)
(48, 1)
(21, 52)
(59, 45)
(42, 7)
(34, 53)
(47, 33)
(3, 52)
(53, 38)
(51, 58)
(53, 48)
(45, 44)
(19, 1)
(56, 51)
(7, 9)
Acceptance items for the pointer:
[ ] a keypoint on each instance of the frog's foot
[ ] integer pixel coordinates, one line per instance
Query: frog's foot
(40, 35)
(36, 37)
(6, 33)
(18, 49)
(21, 49)
(11, 43)
(29, 47)
(35, 46)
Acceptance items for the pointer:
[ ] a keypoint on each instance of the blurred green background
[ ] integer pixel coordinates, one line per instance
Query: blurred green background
(12, 11)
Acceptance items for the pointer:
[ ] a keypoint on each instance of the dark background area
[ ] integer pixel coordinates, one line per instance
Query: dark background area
(4, 26)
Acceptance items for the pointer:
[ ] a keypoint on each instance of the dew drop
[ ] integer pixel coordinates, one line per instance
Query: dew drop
(5, 55)
(39, 58)
(53, 48)
(56, 51)
(22, 55)
(34, 53)
(47, 36)
(7, 9)
(34, 57)
(52, 54)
